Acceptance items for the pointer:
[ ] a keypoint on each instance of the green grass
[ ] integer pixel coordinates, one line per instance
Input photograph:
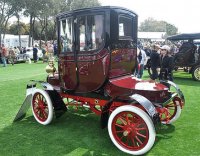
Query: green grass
(78, 133)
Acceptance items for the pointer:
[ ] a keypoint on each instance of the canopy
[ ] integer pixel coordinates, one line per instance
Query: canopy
(192, 36)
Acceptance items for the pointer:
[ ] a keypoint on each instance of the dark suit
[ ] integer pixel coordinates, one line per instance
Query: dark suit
(167, 65)
(155, 63)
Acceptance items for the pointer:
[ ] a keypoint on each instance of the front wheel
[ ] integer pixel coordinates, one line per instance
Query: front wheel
(42, 107)
(196, 73)
(131, 130)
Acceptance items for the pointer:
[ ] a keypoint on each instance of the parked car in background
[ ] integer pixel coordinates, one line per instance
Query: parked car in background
(189, 53)
(29, 52)
(18, 58)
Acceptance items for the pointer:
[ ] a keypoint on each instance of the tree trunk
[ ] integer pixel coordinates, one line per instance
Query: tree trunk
(0, 38)
(54, 31)
(33, 29)
(30, 31)
(41, 36)
(45, 30)
(20, 45)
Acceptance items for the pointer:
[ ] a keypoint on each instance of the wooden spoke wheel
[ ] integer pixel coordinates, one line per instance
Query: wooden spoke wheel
(196, 73)
(173, 111)
(131, 130)
(42, 107)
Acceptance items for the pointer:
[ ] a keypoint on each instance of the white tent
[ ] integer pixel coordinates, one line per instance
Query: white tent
(13, 40)
(153, 36)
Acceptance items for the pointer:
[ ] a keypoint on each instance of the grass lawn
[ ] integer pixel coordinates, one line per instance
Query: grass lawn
(79, 133)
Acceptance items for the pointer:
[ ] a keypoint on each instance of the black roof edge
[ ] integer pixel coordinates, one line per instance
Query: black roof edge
(94, 8)
(184, 36)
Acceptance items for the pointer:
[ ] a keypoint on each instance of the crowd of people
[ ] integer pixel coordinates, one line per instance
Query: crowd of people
(9, 54)
(162, 61)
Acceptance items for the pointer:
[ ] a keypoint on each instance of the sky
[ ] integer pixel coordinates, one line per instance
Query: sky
(184, 14)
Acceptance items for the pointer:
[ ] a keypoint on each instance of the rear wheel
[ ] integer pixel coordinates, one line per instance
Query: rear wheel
(196, 73)
(174, 111)
(42, 107)
(131, 130)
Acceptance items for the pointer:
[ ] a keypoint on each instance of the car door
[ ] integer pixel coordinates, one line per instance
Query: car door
(67, 53)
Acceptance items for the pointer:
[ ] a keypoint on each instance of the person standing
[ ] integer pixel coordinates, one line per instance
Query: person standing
(167, 64)
(4, 54)
(11, 56)
(141, 58)
(35, 51)
(155, 61)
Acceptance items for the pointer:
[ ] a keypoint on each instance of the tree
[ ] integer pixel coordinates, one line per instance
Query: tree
(19, 28)
(5, 13)
(41, 13)
(17, 12)
(152, 25)
(78, 4)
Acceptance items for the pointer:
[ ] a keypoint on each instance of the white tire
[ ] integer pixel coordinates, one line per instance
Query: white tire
(136, 129)
(42, 107)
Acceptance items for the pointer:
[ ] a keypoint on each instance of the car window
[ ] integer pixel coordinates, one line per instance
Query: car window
(66, 35)
(125, 27)
(90, 30)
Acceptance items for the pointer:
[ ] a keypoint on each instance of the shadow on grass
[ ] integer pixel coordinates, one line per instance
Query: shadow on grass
(164, 132)
(72, 134)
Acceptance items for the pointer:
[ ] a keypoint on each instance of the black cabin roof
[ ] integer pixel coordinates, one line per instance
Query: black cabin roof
(191, 36)
(94, 9)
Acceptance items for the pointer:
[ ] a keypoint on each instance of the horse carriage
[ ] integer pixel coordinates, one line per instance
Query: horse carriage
(97, 56)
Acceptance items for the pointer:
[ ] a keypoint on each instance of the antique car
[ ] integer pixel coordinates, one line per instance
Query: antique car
(189, 53)
(96, 60)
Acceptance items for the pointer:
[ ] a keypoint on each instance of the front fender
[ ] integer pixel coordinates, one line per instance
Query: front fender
(58, 104)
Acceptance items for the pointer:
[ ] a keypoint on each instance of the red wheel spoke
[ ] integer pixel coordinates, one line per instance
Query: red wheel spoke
(138, 129)
(141, 135)
(120, 131)
(122, 137)
(37, 110)
(44, 114)
(124, 122)
(127, 119)
(121, 126)
(138, 140)
(133, 141)
(141, 125)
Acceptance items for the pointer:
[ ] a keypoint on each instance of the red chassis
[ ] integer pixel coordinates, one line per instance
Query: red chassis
(129, 109)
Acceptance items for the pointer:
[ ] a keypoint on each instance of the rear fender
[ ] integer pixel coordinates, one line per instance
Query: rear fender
(144, 102)
(148, 106)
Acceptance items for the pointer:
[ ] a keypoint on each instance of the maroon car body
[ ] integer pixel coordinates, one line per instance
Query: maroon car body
(97, 50)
